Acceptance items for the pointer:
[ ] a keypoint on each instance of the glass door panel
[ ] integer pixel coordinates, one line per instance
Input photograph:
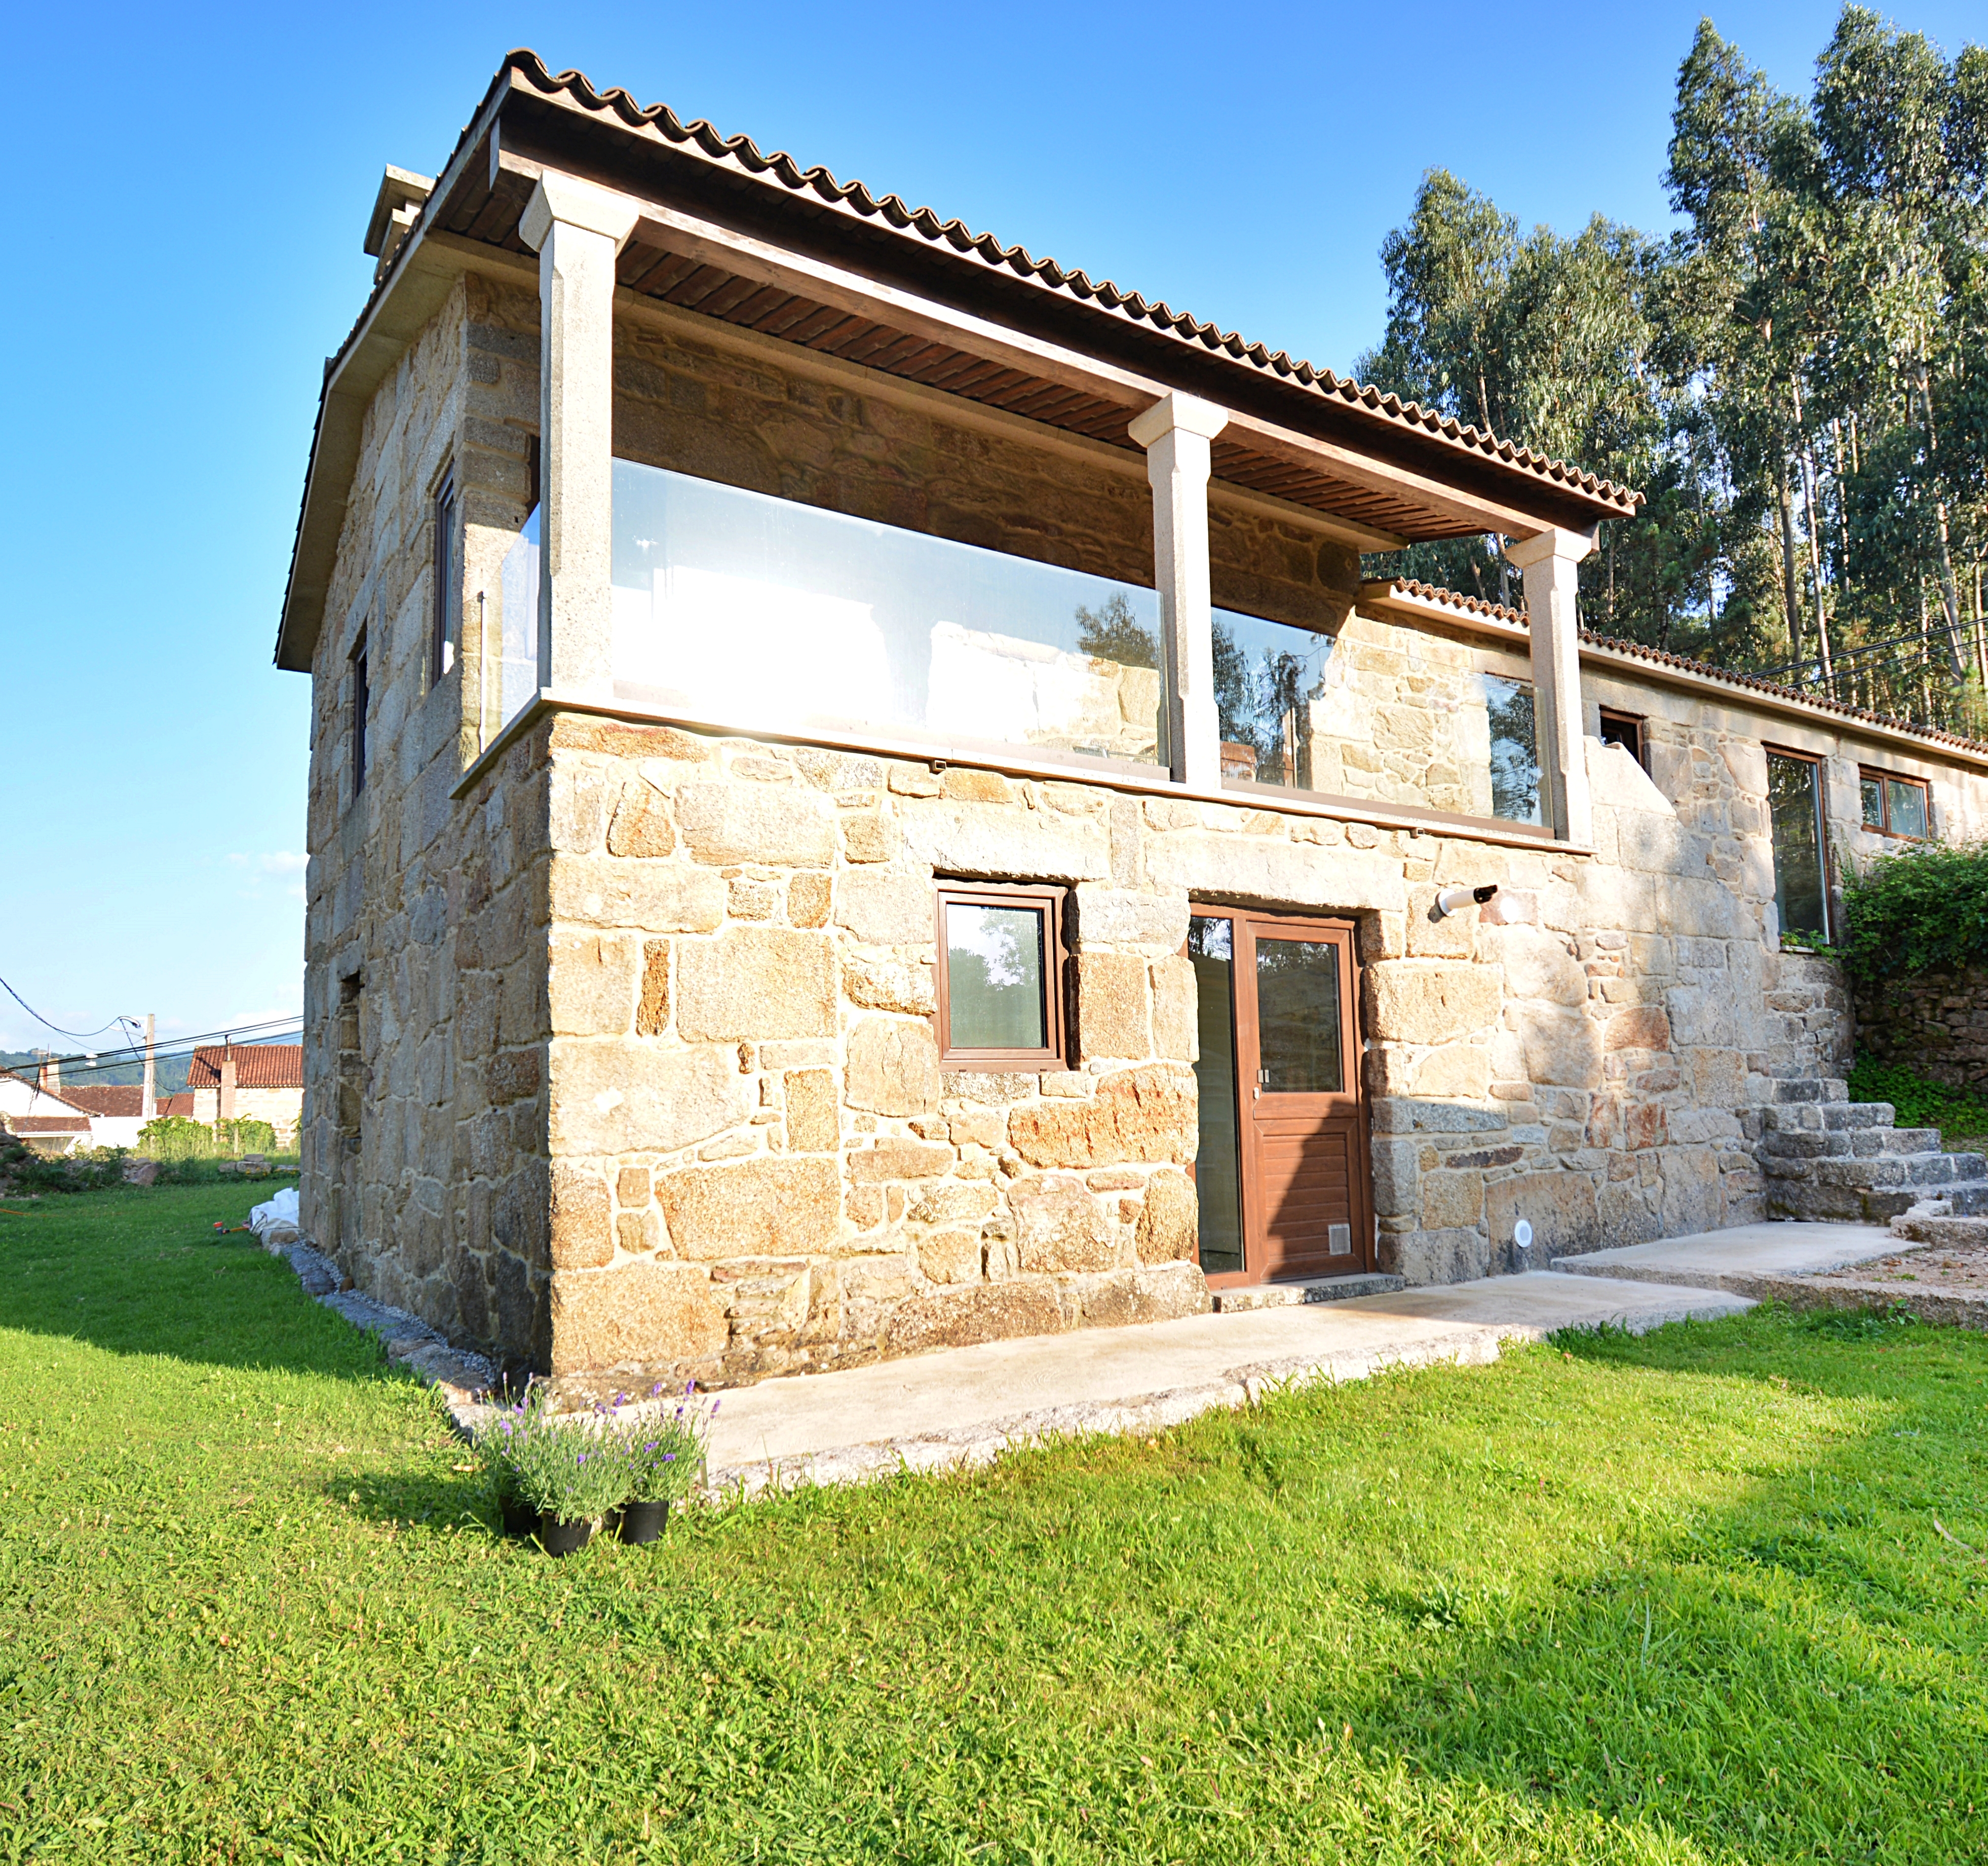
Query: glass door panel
(1297, 1017)
(1218, 1165)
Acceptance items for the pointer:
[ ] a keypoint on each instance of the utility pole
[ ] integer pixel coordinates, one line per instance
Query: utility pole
(150, 1104)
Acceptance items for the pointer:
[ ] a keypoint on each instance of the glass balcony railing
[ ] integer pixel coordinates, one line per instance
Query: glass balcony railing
(517, 658)
(1302, 711)
(757, 611)
(763, 612)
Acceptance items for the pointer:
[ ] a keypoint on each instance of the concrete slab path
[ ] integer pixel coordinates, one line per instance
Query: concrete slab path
(1744, 1259)
(964, 1406)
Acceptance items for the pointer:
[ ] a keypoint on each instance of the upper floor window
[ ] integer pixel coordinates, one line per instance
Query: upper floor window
(1794, 804)
(1896, 806)
(362, 697)
(1000, 978)
(445, 628)
(1625, 730)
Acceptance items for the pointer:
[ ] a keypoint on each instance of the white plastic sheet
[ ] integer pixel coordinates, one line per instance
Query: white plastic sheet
(275, 1221)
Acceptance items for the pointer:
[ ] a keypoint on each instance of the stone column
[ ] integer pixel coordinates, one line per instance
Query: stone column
(1175, 433)
(1550, 562)
(577, 230)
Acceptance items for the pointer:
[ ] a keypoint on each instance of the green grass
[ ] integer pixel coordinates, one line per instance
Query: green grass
(1677, 1599)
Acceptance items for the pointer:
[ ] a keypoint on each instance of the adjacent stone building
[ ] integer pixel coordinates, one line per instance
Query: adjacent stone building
(860, 800)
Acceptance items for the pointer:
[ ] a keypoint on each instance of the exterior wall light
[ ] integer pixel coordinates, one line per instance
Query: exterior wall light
(1454, 900)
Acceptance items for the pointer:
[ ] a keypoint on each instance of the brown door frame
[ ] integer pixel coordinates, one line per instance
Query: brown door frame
(1246, 1061)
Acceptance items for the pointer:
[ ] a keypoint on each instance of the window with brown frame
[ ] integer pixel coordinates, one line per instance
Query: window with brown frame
(1801, 851)
(1896, 805)
(1625, 730)
(1000, 981)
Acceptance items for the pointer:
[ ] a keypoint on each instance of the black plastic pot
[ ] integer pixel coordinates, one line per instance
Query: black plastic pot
(643, 1521)
(520, 1518)
(560, 1538)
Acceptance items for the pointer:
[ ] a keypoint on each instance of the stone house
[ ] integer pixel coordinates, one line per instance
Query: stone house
(860, 800)
(37, 1112)
(248, 1082)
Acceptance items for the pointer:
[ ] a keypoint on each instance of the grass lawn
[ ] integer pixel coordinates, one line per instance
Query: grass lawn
(1676, 1599)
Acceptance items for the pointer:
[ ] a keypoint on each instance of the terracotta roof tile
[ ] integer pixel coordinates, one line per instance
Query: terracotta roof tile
(48, 1124)
(1452, 599)
(109, 1099)
(742, 151)
(742, 154)
(276, 1066)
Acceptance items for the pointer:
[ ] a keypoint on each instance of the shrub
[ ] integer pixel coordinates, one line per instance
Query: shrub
(1920, 1104)
(175, 1137)
(89, 1171)
(1925, 909)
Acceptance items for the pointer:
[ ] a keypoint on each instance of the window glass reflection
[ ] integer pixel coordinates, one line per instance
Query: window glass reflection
(1297, 1017)
(1907, 806)
(754, 609)
(1218, 1161)
(994, 968)
(1795, 806)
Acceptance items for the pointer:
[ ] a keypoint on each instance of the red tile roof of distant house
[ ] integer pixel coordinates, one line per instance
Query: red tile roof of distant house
(181, 1104)
(108, 1098)
(48, 1124)
(263, 1065)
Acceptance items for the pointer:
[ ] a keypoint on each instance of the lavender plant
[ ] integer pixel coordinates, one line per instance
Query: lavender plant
(663, 1456)
(568, 1468)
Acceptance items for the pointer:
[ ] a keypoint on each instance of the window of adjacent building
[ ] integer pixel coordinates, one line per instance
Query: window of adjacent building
(1794, 801)
(361, 699)
(1000, 978)
(1896, 806)
(445, 629)
(1625, 730)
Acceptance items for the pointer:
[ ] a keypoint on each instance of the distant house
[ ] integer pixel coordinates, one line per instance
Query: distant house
(249, 1081)
(117, 1111)
(46, 1121)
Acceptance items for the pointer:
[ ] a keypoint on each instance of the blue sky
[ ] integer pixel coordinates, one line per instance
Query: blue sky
(190, 189)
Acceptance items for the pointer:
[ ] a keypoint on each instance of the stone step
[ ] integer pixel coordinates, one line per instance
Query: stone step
(1938, 1170)
(1857, 1204)
(1911, 1140)
(1816, 1089)
(1966, 1199)
(1949, 1231)
(1833, 1116)
(1306, 1289)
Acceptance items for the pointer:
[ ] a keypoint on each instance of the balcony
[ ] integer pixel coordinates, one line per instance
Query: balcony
(737, 609)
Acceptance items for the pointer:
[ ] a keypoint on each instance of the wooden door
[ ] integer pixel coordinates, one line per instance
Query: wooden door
(1283, 1172)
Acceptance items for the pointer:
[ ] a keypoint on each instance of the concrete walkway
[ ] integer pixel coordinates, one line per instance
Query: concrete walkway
(966, 1405)
(1747, 1260)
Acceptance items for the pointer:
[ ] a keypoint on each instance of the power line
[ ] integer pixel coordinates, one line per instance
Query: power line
(254, 1034)
(79, 1037)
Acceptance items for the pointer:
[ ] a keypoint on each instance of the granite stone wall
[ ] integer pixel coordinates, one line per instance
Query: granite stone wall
(424, 1166)
(622, 1060)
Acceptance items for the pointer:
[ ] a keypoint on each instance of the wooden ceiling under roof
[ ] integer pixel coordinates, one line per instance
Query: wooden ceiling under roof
(491, 214)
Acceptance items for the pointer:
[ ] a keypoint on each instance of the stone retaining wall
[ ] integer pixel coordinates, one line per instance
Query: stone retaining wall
(1934, 1023)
